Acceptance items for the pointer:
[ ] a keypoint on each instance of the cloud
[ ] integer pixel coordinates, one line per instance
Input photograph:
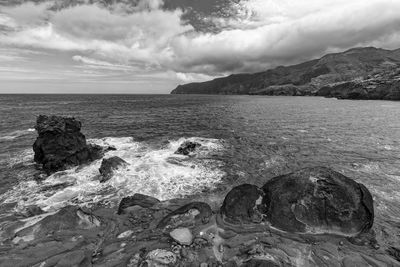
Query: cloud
(99, 64)
(250, 35)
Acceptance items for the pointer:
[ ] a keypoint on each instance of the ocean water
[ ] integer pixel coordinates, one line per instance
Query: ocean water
(245, 139)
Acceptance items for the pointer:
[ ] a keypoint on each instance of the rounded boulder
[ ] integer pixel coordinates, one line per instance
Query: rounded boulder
(318, 201)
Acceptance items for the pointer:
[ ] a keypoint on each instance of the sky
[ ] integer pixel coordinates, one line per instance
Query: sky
(151, 46)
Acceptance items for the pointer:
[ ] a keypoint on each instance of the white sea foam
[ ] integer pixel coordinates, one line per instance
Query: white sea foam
(15, 134)
(153, 171)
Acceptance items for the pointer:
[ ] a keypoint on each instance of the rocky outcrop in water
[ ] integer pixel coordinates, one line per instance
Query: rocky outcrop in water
(187, 147)
(179, 232)
(108, 166)
(61, 144)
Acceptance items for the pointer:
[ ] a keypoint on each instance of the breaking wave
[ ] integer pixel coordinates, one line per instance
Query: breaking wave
(154, 171)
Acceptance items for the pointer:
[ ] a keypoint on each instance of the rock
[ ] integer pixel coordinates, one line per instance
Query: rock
(160, 257)
(68, 218)
(32, 210)
(182, 235)
(194, 213)
(318, 200)
(259, 263)
(108, 166)
(125, 234)
(187, 147)
(137, 200)
(61, 144)
(241, 204)
(394, 252)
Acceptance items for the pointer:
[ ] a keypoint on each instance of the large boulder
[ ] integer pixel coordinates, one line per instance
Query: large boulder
(108, 166)
(61, 144)
(241, 204)
(318, 200)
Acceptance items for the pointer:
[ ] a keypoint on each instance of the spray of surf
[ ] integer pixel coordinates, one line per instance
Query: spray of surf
(155, 171)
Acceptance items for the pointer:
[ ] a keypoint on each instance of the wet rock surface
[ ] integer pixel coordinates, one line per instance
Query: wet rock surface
(109, 165)
(179, 232)
(61, 144)
(318, 200)
(137, 200)
(242, 203)
(187, 147)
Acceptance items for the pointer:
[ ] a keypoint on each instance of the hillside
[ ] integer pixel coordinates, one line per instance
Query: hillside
(357, 65)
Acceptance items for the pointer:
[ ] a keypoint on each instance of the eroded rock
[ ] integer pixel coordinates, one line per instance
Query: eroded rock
(242, 204)
(137, 200)
(318, 200)
(61, 144)
(194, 213)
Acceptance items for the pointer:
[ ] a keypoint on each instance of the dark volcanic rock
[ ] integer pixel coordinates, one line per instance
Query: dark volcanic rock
(108, 166)
(241, 204)
(318, 200)
(61, 144)
(137, 200)
(187, 147)
(192, 213)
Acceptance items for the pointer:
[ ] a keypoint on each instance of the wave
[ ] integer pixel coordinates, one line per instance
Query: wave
(155, 171)
(15, 134)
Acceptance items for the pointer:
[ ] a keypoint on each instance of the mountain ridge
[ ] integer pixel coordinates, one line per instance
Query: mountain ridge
(357, 65)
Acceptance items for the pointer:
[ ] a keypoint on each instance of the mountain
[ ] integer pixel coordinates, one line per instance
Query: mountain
(370, 69)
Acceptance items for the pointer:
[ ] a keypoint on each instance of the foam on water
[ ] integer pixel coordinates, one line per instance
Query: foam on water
(153, 171)
(15, 134)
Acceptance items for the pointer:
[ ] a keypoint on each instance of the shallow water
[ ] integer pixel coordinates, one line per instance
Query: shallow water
(246, 139)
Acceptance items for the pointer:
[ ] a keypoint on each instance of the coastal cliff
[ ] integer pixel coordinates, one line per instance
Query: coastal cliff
(374, 71)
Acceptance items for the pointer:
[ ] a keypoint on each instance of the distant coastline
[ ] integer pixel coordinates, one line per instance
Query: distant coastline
(360, 73)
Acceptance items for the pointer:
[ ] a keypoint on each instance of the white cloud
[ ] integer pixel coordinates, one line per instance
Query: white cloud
(146, 38)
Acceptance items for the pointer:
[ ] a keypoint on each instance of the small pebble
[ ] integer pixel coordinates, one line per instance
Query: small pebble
(341, 243)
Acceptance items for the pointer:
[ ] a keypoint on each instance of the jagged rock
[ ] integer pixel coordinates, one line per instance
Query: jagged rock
(187, 147)
(137, 200)
(61, 144)
(108, 166)
(182, 235)
(241, 204)
(194, 213)
(160, 257)
(32, 210)
(318, 200)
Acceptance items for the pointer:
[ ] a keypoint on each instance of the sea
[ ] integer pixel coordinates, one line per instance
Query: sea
(245, 139)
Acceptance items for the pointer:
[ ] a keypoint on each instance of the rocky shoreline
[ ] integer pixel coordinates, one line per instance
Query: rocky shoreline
(311, 217)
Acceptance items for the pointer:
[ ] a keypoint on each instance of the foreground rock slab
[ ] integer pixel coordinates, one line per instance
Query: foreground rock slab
(61, 144)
